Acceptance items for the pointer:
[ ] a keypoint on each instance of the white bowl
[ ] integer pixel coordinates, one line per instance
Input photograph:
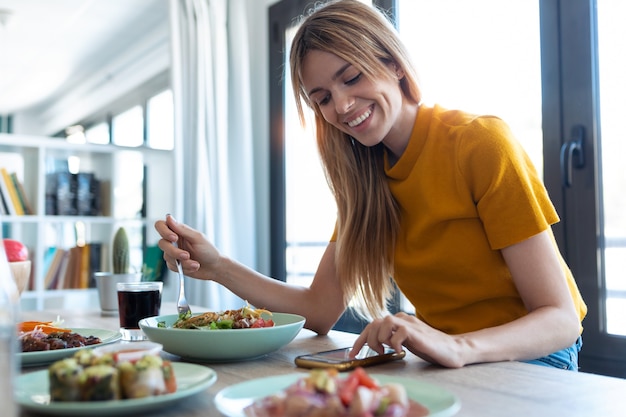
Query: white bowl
(222, 345)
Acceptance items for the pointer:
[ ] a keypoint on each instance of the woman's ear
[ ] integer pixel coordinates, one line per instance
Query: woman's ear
(398, 71)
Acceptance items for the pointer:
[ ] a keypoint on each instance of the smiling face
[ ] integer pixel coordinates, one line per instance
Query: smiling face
(370, 110)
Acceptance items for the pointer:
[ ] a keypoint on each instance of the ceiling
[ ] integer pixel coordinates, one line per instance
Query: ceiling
(45, 45)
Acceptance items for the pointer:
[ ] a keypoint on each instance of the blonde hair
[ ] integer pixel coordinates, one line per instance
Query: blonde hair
(367, 213)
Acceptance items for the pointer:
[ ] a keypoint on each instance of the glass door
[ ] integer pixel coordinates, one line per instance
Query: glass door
(582, 65)
(553, 69)
(612, 84)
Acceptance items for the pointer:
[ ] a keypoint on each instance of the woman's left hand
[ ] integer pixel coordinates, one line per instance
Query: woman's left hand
(416, 336)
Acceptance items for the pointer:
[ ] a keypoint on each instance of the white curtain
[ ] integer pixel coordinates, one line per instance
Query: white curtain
(213, 144)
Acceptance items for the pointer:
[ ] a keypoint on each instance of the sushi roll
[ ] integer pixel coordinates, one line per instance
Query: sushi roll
(84, 357)
(100, 383)
(143, 378)
(64, 380)
(106, 359)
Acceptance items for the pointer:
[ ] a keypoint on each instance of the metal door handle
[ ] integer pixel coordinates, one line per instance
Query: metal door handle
(572, 155)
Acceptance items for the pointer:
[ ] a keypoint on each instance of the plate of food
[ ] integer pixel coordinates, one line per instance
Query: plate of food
(326, 392)
(231, 335)
(93, 384)
(45, 342)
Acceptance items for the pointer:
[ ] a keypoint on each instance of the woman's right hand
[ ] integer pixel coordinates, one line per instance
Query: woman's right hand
(197, 255)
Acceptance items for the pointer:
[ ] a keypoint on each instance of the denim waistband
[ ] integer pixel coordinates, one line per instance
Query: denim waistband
(563, 359)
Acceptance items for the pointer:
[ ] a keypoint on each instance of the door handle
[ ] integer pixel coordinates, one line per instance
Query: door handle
(572, 154)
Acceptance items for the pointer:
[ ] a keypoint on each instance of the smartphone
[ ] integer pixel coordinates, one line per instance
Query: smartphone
(339, 359)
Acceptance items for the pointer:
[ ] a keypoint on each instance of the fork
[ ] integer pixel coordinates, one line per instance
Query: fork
(182, 305)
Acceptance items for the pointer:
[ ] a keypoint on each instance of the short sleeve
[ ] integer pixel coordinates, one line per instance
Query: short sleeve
(510, 197)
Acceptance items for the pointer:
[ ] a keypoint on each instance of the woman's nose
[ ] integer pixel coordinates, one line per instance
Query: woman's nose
(343, 103)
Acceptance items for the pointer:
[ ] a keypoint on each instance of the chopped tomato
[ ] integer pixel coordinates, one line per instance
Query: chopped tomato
(261, 322)
(357, 378)
(364, 379)
(348, 389)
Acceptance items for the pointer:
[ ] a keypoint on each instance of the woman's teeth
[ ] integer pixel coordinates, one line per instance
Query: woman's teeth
(360, 119)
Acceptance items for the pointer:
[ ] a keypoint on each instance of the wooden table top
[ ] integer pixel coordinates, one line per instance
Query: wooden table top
(494, 389)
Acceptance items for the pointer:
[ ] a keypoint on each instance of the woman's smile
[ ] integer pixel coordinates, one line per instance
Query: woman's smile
(360, 119)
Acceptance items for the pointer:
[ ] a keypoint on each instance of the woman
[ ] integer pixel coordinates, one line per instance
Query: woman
(446, 203)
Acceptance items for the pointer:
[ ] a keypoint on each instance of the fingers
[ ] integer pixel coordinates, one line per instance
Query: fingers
(358, 344)
(390, 331)
(387, 334)
(170, 243)
(164, 231)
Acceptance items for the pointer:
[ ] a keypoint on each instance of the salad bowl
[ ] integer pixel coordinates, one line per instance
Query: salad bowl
(222, 345)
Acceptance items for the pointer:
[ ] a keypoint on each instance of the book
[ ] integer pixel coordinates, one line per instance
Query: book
(95, 261)
(59, 280)
(19, 209)
(51, 194)
(9, 194)
(87, 194)
(55, 264)
(3, 206)
(21, 193)
(72, 273)
(66, 194)
(83, 267)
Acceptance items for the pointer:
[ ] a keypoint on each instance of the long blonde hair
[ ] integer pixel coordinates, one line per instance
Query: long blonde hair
(367, 213)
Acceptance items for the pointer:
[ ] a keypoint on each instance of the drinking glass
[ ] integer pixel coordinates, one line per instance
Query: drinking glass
(136, 301)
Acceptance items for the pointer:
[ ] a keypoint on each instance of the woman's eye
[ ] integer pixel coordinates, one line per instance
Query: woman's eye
(354, 80)
(323, 100)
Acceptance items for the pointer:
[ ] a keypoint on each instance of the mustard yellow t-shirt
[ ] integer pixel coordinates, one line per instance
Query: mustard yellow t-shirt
(466, 189)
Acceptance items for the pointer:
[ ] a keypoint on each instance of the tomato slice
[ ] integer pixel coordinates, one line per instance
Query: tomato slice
(364, 379)
(348, 389)
(261, 322)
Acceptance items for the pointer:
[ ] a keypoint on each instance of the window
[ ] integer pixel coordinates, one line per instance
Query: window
(489, 63)
(611, 44)
(127, 127)
(160, 121)
(98, 134)
(546, 68)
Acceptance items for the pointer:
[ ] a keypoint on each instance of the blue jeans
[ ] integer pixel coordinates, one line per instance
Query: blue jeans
(563, 359)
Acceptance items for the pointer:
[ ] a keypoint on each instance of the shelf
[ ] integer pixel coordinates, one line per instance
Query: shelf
(135, 185)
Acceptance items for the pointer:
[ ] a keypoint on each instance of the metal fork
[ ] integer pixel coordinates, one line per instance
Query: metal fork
(182, 305)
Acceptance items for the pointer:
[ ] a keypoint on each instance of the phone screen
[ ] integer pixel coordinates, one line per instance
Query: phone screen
(340, 359)
(342, 355)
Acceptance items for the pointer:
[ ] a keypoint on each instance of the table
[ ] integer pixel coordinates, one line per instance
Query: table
(494, 389)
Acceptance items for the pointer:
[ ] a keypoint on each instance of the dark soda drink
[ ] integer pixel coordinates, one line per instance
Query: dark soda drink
(137, 305)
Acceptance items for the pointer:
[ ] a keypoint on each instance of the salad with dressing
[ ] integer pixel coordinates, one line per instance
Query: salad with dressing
(246, 317)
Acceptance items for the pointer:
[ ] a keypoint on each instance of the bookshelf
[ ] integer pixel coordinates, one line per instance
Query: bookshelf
(135, 187)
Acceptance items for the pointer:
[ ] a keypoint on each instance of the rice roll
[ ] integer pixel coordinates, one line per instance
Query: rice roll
(143, 378)
(84, 357)
(100, 383)
(64, 379)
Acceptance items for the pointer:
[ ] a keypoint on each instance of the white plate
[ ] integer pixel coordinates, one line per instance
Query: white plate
(232, 400)
(32, 394)
(49, 356)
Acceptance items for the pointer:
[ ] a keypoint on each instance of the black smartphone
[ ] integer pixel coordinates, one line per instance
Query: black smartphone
(339, 359)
